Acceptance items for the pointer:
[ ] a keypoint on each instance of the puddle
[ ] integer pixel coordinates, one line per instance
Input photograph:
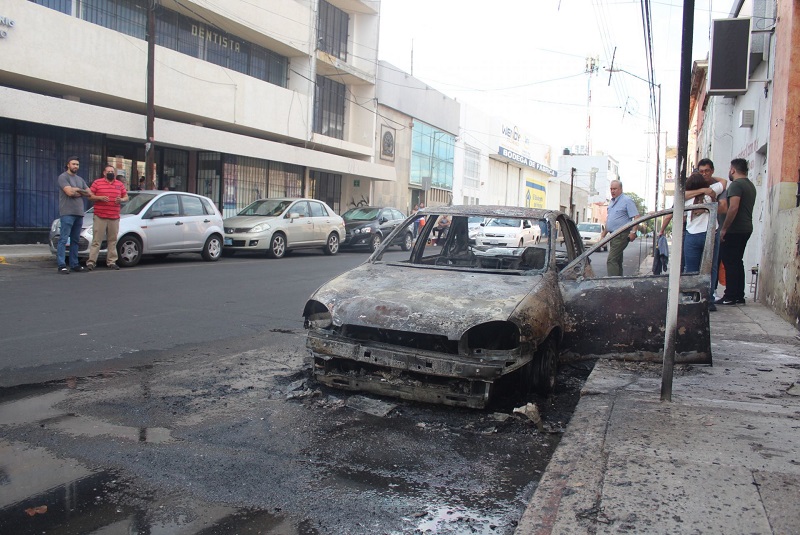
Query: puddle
(41, 493)
(42, 409)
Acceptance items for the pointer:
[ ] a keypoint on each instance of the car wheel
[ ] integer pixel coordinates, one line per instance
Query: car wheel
(408, 242)
(375, 242)
(332, 245)
(212, 250)
(544, 368)
(277, 246)
(521, 243)
(129, 250)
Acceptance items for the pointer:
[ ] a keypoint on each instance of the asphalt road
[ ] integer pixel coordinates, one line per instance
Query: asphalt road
(54, 325)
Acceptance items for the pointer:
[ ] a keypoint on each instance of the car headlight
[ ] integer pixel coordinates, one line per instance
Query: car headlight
(89, 232)
(364, 230)
(317, 315)
(261, 227)
(56, 226)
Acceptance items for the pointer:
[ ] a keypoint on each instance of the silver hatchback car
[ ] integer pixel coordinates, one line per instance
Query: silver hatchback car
(157, 223)
(276, 226)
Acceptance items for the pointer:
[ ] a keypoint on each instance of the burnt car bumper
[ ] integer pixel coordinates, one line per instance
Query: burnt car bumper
(407, 373)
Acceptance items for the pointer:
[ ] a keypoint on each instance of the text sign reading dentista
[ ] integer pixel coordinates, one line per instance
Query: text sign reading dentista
(210, 35)
(5, 22)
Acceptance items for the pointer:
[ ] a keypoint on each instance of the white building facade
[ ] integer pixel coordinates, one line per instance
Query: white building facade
(251, 100)
(499, 162)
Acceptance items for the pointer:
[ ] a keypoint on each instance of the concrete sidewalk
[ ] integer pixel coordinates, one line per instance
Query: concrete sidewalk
(722, 457)
(10, 254)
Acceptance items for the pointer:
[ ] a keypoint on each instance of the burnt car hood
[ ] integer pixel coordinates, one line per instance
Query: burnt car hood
(424, 300)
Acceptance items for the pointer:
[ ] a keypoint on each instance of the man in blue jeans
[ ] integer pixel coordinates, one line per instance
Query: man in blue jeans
(71, 190)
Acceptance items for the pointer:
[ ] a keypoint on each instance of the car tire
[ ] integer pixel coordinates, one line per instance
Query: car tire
(408, 242)
(277, 246)
(521, 243)
(331, 244)
(544, 367)
(212, 250)
(375, 242)
(129, 251)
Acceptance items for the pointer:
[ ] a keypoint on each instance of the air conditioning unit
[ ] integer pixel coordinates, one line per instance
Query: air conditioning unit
(747, 118)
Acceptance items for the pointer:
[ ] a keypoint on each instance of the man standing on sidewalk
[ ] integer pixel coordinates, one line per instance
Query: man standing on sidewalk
(621, 210)
(107, 194)
(71, 189)
(735, 232)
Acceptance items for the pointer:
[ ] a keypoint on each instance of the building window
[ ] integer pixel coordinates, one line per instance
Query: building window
(31, 158)
(326, 187)
(285, 180)
(183, 34)
(332, 30)
(245, 181)
(64, 6)
(432, 155)
(472, 168)
(329, 97)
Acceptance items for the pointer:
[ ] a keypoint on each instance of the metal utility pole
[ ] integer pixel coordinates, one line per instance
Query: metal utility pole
(658, 165)
(571, 187)
(592, 65)
(149, 149)
(677, 212)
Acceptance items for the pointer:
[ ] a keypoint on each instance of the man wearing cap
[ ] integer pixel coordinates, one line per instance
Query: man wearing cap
(71, 190)
(108, 193)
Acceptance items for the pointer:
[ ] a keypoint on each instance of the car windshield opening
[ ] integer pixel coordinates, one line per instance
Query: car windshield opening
(360, 214)
(266, 207)
(520, 246)
(136, 202)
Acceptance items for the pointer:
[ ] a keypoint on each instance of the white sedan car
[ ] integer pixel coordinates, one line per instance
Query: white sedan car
(276, 226)
(157, 223)
(508, 232)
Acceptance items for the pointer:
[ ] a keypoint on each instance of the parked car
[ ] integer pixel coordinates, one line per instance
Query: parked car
(591, 232)
(276, 226)
(156, 223)
(508, 232)
(455, 322)
(367, 226)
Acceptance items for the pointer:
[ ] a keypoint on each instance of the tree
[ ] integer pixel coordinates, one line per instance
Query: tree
(650, 224)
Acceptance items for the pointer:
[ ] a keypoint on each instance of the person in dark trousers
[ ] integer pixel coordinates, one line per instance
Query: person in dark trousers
(706, 168)
(71, 190)
(735, 232)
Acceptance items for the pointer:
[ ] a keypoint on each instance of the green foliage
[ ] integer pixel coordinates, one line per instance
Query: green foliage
(640, 205)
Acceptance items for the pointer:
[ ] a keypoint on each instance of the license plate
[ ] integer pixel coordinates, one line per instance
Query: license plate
(228, 241)
(492, 242)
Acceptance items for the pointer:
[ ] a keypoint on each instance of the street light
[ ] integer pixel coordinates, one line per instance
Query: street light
(658, 136)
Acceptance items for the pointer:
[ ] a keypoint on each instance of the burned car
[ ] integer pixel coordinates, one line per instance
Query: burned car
(454, 320)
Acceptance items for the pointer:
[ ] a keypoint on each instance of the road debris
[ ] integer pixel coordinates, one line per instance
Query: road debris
(532, 412)
(370, 406)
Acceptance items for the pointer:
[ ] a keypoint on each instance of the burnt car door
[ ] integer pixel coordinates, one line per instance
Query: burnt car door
(624, 317)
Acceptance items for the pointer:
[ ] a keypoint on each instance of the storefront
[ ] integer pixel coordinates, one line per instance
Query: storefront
(33, 155)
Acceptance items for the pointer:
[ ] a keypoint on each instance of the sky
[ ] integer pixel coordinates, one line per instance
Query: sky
(525, 61)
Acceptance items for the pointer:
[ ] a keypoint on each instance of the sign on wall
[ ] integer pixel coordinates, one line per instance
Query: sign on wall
(535, 193)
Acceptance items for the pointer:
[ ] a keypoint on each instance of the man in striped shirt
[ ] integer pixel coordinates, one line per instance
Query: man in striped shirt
(107, 195)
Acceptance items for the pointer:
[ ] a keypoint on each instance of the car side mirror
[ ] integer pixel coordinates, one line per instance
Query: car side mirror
(483, 224)
(153, 214)
(382, 220)
(294, 215)
(525, 224)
